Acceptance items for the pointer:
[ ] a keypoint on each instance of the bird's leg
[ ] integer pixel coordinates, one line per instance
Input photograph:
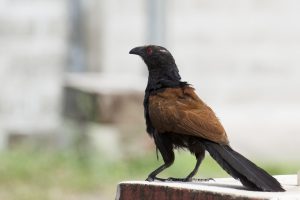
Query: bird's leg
(199, 150)
(166, 149)
(192, 174)
(152, 175)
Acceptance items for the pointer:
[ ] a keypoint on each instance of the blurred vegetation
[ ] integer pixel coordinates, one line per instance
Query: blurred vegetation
(29, 174)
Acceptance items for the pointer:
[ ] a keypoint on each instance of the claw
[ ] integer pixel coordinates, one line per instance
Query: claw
(150, 179)
(171, 179)
(179, 179)
(203, 179)
(190, 179)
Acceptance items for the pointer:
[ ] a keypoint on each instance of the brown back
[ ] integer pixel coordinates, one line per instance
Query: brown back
(180, 110)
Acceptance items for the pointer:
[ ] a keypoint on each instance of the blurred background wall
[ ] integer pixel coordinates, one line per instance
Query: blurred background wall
(71, 115)
(241, 56)
(33, 54)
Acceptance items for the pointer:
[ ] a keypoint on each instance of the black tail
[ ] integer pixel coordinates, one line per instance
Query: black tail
(243, 169)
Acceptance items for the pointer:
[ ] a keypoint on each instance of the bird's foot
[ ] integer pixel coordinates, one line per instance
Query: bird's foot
(150, 179)
(203, 179)
(179, 179)
(190, 179)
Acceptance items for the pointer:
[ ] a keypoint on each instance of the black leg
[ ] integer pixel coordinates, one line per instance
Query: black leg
(152, 175)
(199, 150)
(165, 147)
(194, 172)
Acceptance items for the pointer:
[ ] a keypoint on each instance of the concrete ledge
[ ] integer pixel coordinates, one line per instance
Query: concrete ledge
(221, 188)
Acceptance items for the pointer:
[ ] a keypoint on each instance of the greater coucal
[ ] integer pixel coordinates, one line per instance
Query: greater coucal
(177, 118)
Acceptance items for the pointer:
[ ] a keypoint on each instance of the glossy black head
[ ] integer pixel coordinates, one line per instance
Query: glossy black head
(155, 57)
(163, 71)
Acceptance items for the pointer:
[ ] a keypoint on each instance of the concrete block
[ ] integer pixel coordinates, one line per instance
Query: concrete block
(221, 188)
(94, 97)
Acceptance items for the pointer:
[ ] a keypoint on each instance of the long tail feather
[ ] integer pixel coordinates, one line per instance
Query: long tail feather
(243, 169)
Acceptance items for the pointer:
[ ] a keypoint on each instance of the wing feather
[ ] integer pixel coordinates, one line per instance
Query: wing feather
(179, 110)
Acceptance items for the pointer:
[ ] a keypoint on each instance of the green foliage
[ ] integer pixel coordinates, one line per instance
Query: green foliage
(32, 174)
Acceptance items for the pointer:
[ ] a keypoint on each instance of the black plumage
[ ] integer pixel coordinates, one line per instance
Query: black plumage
(177, 118)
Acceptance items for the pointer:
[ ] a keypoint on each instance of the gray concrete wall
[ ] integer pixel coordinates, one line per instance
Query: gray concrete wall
(243, 58)
(33, 52)
(241, 55)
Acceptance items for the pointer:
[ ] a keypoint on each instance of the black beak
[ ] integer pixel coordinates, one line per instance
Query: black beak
(137, 51)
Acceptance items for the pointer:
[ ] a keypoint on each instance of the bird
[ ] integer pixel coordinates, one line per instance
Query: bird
(177, 118)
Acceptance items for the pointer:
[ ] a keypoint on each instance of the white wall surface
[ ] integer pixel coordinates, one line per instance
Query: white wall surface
(33, 50)
(243, 57)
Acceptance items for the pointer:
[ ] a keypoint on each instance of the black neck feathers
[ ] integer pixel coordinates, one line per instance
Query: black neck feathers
(164, 77)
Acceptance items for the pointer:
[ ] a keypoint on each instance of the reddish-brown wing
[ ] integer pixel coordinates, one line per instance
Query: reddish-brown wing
(180, 110)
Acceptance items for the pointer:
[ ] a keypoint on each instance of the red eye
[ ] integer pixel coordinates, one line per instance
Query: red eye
(149, 50)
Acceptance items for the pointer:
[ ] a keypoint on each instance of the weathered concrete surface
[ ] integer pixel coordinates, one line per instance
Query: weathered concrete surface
(33, 53)
(221, 188)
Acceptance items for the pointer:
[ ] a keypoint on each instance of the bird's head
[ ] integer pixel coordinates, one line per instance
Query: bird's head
(163, 71)
(155, 57)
